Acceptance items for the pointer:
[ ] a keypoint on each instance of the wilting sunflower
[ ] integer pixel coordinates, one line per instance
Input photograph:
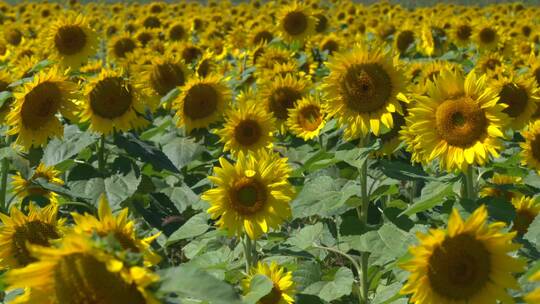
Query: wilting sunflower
(501, 180)
(202, 102)
(283, 285)
(78, 270)
(362, 89)
(527, 209)
(296, 22)
(521, 95)
(33, 117)
(534, 296)
(252, 195)
(468, 263)
(39, 227)
(459, 121)
(119, 227)
(71, 40)
(248, 127)
(25, 187)
(530, 153)
(307, 117)
(113, 102)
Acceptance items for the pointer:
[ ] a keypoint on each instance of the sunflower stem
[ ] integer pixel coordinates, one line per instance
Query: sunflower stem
(3, 184)
(101, 154)
(469, 183)
(363, 217)
(248, 252)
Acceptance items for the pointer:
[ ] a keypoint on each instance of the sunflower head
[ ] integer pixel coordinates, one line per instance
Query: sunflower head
(296, 22)
(26, 189)
(283, 288)
(527, 209)
(499, 180)
(307, 118)
(530, 153)
(121, 46)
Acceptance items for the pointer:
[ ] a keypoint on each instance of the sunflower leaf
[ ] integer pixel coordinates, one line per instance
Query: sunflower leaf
(259, 287)
(60, 149)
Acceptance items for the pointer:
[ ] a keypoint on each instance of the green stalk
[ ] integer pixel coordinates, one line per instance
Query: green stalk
(248, 252)
(101, 154)
(364, 219)
(470, 190)
(3, 183)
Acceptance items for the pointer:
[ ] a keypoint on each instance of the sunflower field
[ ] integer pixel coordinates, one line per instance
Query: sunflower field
(269, 152)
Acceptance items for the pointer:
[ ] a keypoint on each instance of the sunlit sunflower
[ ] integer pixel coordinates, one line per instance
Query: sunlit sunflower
(122, 229)
(78, 270)
(521, 96)
(498, 181)
(202, 102)
(362, 89)
(295, 22)
(534, 296)
(33, 117)
(206, 65)
(459, 121)
(18, 230)
(283, 289)
(251, 196)
(527, 209)
(25, 187)
(530, 153)
(491, 63)
(467, 263)
(281, 94)
(248, 127)
(71, 40)
(120, 46)
(113, 102)
(431, 70)
(461, 32)
(307, 117)
(486, 36)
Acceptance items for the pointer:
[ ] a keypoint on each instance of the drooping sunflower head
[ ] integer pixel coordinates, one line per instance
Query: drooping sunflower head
(71, 40)
(80, 270)
(530, 153)
(362, 87)
(283, 289)
(459, 121)
(251, 196)
(38, 227)
(468, 263)
(498, 181)
(307, 117)
(33, 117)
(112, 102)
(296, 22)
(119, 227)
(527, 209)
(202, 102)
(26, 189)
(248, 127)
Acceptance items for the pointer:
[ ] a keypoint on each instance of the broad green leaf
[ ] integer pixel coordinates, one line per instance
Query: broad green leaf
(91, 188)
(181, 151)
(145, 151)
(259, 287)
(533, 233)
(340, 284)
(195, 226)
(307, 273)
(356, 157)
(169, 97)
(73, 142)
(433, 194)
(183, 197)
(388, 294)
(307, 236)
(119, 187)
(4, 97)
(43, 183)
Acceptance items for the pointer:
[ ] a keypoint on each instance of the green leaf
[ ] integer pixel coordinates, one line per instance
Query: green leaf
(338, 285)
(4, 97)
(433, 194)
(169, 97)
(319, 160)
(307, 273)
(73, 142)
(91, 188)
(43, 183)
(306, 237)
(189, 281)
(533, 233)
(401, 170)
(388, 294)
(195, 226)
(356, 157)
(145, 151)
(181, 151)
(259, 287)
(119, 187)
(7, 152)
(183, 197)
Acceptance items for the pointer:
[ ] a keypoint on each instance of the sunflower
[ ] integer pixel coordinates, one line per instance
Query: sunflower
(495, 190)
(33, 117)
(461, 32)
(404, 38)
(391, 139)
(283, 289)
(112, 102)
(121, 46)
(117, 226)
(527, 209)
(39, 227)
(534, 296)
(459, 121)
(331, 43)
(486, 36)
(530, 153)
(534, 67)
(491, 63)
(252, 195)
(521, 96)
(281, 94)
(468, 263)
(202, 102)
(362, 87)
(25, 187)
(71, 40)
(177, 31)
(295, 22)
(248, 127)
(79, 270)
(307, 117)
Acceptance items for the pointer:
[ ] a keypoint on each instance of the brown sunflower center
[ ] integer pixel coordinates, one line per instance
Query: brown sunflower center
(464, 32)
(111, 97)
(3, 49)
(523, 220)
(248, 195)
(310, 117)
(515, 97)
(322, 23)
(70, 39)
(273, 297)
(404, 40)
(331, 46)
(41, 104)
(487, 35)
(151, 22)
(263, 36)
(35, 232)
(144, 38)
(126, 241)
(123, 46)
(201, 101)
(366, 87)
(459, 268)
(191, 53)
(13, 36)
(177, 32)
(295, 23)
(247, 132)
(283, 99)
(535, 147)
(204, 67)
(81, 278)
(166, 76)
(460, 122)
